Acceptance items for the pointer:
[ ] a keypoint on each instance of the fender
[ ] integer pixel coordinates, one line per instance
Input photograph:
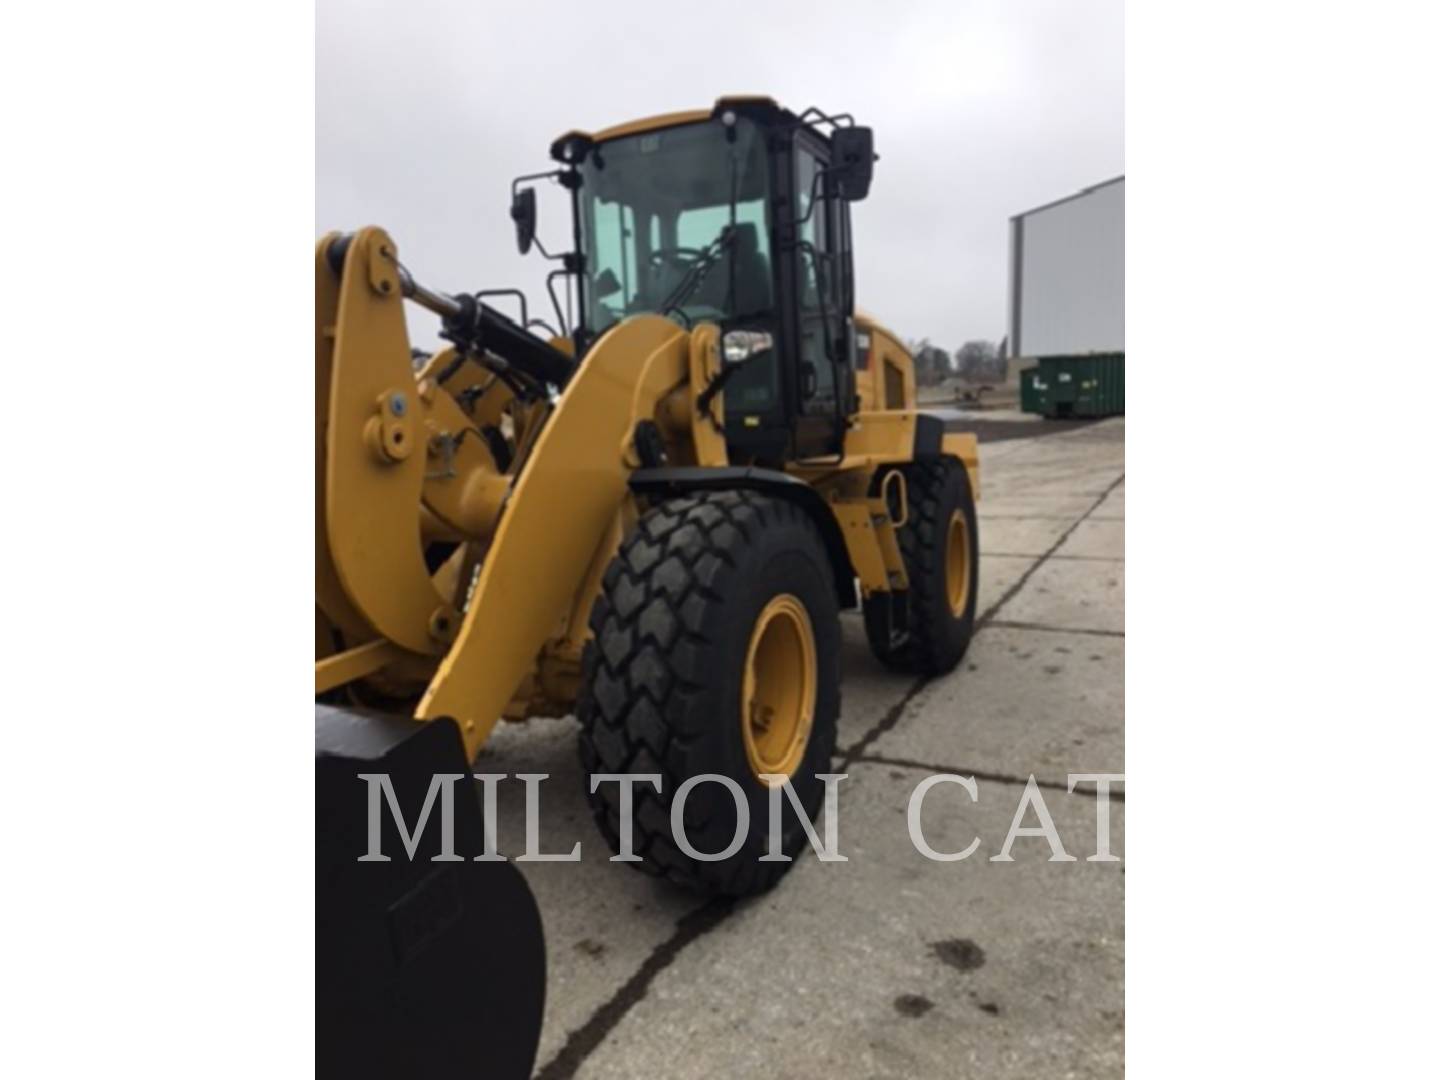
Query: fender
(668, 481)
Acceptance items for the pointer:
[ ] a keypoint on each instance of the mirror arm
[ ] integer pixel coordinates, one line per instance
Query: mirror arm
(553, 174)
(567, 178)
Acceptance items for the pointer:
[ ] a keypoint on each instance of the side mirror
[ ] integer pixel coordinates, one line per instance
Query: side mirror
(852, 161)
(522, 212)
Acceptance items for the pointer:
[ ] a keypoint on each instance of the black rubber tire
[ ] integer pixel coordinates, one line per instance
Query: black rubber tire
(935, 639)
(663, 674)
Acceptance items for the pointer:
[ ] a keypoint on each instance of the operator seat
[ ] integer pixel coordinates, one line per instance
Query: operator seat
(752, 275)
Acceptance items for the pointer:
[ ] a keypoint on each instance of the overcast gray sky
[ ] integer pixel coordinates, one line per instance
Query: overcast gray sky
(427, 109)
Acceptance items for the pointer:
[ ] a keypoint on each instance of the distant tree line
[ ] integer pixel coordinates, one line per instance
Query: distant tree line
(975, 361)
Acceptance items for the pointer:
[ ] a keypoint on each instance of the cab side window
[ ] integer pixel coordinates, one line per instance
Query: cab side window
(615, 265)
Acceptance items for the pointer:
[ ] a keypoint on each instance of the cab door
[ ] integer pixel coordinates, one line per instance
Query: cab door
(822, 377)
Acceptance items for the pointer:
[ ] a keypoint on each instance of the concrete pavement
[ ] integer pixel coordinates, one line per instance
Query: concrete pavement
(889, 964)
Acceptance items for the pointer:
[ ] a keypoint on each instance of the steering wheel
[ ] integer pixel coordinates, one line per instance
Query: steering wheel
(680, 258)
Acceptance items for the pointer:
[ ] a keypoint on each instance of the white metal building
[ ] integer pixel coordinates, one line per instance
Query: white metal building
(1067, 275)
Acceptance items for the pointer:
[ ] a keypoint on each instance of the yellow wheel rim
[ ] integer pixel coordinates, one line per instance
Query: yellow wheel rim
(957, 564)
(778, 697)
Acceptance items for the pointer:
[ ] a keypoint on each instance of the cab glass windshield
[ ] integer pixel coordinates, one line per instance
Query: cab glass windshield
(656, 211)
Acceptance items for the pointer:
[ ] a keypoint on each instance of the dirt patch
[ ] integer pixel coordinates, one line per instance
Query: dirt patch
(960, 953)
(913, 1005)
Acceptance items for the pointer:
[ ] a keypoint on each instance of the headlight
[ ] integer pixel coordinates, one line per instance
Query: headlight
(739, 345)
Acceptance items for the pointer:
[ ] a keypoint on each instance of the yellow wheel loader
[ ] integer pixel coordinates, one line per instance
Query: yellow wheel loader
(650, 514)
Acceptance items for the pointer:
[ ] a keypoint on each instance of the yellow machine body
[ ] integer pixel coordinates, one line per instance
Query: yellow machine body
(405, 469)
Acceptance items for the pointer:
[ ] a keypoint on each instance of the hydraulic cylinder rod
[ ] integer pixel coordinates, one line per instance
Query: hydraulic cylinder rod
(478, 325)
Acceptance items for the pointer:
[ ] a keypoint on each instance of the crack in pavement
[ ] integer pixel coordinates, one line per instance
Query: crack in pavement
(955, 770)
(589, 1035)
(1020, 583)
(885, 723)
(1063, 558)
(1022, 517)
(1006, 624)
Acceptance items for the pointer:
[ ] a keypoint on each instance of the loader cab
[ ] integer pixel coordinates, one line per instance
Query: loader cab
(738, 216)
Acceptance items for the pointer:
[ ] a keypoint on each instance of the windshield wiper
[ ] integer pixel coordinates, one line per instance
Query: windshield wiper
(696, 274)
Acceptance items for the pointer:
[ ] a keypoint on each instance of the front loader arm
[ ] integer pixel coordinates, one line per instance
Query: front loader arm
(563, 505)
(405, 462)
(374, 454)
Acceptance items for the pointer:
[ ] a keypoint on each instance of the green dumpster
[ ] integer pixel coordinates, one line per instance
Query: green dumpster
(1075, 386)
